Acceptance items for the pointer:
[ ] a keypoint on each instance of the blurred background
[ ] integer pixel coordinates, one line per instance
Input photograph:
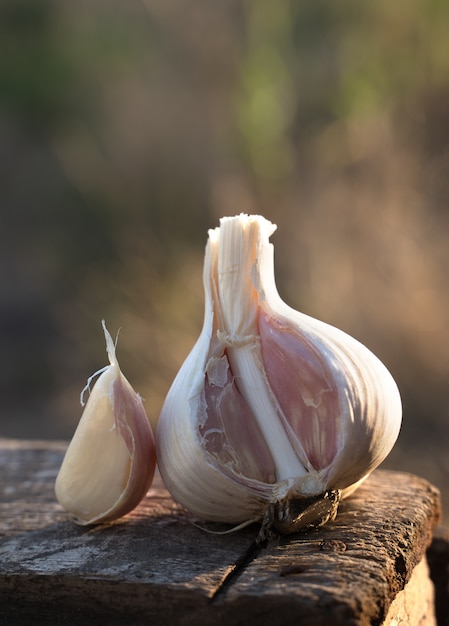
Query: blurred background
(128, 129)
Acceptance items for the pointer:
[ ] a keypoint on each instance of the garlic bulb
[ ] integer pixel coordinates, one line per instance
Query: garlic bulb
(274, 415)
(110, 462)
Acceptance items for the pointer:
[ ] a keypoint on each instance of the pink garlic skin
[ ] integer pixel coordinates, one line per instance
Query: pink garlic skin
(133, 426)
(318, 411)
(231, 433)
(271, 404)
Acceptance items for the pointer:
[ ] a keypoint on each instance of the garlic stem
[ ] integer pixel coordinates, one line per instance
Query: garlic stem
(239, 298)
(245, 364)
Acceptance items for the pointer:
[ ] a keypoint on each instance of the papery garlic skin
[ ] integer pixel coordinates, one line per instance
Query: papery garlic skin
(271, 405)
(110, 462)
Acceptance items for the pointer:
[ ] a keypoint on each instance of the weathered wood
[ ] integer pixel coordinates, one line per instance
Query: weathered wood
(155, 566)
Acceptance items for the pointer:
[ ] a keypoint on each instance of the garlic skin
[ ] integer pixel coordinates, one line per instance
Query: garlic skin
(110, 462)
(274, 416)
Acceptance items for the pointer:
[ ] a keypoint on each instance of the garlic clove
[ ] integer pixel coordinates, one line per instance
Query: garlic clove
(274, 416)
(110, 462)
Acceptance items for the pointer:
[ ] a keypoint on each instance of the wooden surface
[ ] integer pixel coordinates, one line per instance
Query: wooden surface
(156, 567)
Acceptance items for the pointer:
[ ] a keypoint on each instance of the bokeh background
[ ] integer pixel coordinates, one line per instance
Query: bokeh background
(128, 128)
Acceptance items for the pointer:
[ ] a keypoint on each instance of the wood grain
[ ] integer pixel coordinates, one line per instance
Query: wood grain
(155, 566)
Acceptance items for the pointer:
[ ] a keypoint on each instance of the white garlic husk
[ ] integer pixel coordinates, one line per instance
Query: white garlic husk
(110, 462)
(274, 415)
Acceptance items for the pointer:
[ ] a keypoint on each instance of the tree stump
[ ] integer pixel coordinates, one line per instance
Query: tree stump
(155, 566)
